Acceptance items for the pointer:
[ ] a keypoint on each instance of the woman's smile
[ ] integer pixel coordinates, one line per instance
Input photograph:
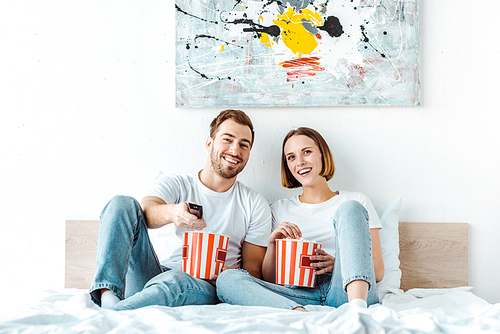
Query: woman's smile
(304, 171)
(303, 157)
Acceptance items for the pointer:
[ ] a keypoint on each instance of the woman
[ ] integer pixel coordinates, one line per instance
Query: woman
(346, 223)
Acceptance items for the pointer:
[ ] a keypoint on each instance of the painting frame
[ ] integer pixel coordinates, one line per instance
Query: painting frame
(246, 53)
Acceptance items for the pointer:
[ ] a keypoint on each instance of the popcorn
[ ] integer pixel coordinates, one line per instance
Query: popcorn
(293, 263)
(300, 239)
(203, 253)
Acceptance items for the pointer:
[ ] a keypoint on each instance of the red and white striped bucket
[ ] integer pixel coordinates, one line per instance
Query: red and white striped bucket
(203, 253)
(293, 263)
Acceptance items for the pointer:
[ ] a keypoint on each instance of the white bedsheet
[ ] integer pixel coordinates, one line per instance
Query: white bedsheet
(416, 311)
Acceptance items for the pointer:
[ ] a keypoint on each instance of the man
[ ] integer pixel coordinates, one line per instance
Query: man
(128, 274)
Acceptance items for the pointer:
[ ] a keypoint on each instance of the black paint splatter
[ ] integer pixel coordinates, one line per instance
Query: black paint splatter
(217, 39)
(367, 40)
(236, 3)
(204, 76)
(257, 28)
(196, 17)
(332, 26)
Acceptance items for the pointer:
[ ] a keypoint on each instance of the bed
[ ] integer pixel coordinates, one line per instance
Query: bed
(425, 291)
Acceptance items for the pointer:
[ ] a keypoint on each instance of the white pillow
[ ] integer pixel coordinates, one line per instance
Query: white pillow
(389, 240)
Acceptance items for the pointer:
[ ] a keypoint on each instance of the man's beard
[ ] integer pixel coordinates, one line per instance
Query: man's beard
(224, 171)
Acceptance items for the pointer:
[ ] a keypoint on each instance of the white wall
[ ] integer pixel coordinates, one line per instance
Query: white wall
(87, 105)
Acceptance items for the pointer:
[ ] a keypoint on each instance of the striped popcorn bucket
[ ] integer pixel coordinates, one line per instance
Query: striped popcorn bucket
(203, 253)
(293, 263)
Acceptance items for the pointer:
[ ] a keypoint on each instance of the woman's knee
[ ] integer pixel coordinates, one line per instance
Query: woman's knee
(228, 275)
(352, 208)
(352, 205)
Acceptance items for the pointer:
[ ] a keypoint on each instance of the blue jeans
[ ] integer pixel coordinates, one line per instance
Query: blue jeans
(353, 261)
(128, 266)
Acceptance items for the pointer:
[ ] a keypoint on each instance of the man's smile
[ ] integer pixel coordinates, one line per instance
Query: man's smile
(231, 160)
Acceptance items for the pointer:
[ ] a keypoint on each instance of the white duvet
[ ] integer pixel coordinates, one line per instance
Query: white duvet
(416, 311)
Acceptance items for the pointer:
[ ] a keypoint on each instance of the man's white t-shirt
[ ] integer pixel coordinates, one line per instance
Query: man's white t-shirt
(316, 220)
(240, 213)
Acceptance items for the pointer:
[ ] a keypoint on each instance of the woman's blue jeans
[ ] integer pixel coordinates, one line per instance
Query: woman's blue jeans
(128, 266)
(353, 261)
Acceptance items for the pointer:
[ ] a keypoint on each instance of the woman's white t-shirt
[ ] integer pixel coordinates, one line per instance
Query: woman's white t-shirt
(316, 220)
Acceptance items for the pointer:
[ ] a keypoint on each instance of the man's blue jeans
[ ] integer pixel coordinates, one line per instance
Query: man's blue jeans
(353, 261)
(128, 266)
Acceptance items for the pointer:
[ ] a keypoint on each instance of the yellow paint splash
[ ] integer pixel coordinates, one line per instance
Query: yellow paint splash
(294, 34)
(222, 48)
(264, 39)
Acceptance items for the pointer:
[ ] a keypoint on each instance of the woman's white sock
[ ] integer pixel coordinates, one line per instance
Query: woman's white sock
(108, 299)
(359, 303)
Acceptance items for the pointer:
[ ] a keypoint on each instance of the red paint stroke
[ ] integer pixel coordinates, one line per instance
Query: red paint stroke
(357, 75)
(301, 68)
(360, 70)
(365, 3)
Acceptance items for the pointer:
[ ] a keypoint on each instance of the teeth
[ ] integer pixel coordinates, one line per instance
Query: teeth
(303, 171)
(234, 161)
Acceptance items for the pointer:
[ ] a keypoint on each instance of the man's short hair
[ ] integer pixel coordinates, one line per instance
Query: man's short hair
(328, 167)
(237, 116)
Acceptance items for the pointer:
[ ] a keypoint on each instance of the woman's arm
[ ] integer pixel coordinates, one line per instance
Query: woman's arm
(378, 261)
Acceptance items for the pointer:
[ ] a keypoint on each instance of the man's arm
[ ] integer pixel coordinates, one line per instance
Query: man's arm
(269, 264)
(158, 214)
(251, 258)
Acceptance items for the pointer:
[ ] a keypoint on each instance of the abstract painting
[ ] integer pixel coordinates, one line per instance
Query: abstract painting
(270, 53)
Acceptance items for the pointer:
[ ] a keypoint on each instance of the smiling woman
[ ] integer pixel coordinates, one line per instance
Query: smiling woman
(327, 164)
(303, 159)
(345, 223)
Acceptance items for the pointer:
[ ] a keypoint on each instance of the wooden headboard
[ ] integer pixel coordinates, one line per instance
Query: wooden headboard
(432, 255)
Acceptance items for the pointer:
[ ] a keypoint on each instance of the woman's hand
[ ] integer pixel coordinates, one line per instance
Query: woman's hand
(323, 261)
(284, 230)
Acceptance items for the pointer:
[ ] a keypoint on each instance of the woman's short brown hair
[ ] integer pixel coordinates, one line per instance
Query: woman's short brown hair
(328, 167)
(237, 116)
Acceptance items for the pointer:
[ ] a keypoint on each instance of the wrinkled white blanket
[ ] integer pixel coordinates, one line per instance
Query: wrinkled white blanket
(416, 311)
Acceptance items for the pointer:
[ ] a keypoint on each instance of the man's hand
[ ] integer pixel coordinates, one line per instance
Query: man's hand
(213, 278)
(159, 214)
(323, 261)
(182, 217)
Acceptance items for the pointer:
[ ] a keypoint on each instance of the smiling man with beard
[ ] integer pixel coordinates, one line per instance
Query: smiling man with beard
(130, 275)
